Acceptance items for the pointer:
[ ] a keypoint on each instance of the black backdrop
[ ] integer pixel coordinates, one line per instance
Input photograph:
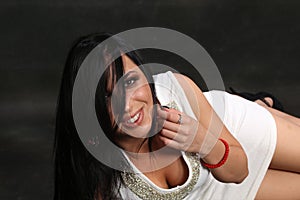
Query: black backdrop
(254, 43)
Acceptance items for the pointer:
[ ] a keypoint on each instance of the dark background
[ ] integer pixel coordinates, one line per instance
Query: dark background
(254, 43)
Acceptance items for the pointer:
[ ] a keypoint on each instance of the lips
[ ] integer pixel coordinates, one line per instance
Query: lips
(135, 119)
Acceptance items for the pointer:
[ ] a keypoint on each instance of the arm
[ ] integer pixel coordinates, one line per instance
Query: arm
(235, 169)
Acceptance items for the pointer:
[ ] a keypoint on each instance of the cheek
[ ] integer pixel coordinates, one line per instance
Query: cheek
(144, 94)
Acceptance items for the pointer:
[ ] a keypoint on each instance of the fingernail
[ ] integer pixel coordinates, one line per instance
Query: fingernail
(165, 108)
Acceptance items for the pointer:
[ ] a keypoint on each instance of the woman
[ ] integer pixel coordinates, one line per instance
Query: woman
(252, 152)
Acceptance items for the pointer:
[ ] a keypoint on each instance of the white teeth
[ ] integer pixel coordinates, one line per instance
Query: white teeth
(134, 118)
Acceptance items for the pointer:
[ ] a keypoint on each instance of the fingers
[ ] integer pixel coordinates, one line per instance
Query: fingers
(171, 126)
(171, 143)
(171, 115)
(177, 135)
(171, 135)
(170, 119)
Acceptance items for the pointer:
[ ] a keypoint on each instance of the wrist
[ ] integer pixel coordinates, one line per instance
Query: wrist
(218, 155)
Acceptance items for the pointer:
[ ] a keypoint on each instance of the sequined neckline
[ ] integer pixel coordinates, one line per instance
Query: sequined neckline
(146, 191)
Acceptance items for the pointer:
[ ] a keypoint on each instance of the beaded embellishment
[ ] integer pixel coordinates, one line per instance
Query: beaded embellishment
(145, 191)
(173, 104)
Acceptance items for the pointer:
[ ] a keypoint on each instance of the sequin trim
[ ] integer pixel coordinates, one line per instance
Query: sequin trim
(145, 191)
(173, 104)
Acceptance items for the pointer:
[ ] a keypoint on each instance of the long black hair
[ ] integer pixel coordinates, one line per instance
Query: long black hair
(79, 175)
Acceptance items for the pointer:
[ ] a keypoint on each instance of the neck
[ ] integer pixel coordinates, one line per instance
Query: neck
(133, 145)
(140, 145)
(137, 149)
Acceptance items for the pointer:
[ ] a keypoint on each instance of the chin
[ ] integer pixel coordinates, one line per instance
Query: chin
(139, 132)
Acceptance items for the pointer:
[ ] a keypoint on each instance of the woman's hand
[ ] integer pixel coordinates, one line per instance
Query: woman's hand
(189, 136)
(180, 131)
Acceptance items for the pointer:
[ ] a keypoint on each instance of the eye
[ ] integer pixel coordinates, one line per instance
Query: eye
(130, 82)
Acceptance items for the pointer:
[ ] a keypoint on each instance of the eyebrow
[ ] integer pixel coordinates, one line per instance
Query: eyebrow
(129, 73)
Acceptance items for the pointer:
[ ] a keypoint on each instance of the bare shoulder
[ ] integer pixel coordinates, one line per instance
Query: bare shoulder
(186, 82)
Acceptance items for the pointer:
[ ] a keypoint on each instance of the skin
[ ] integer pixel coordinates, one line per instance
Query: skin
(286, 116)
(179, 137)
(235, 169)
(282, 179)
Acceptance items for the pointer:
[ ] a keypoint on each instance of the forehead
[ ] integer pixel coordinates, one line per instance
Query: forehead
(128, 64)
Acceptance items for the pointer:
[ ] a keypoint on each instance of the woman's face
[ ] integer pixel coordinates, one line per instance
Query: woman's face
(137, 119)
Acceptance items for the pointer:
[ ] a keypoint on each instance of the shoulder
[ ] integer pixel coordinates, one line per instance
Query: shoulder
(183, 79)
(187, 83)
(192, 92)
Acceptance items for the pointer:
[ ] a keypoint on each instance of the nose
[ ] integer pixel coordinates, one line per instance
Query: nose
(128, 101)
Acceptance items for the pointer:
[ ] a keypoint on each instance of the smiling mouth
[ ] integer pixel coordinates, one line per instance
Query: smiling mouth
(135, 120)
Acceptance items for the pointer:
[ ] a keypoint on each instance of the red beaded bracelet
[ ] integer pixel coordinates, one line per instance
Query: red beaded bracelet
(224, 159)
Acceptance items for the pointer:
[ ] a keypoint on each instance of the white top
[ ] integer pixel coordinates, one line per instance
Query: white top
(252, 125)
